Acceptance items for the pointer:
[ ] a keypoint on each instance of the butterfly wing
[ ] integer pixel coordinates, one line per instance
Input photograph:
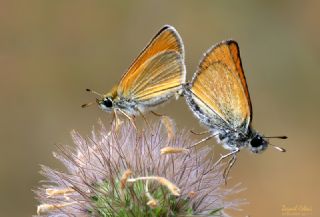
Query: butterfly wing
(218, 93)
(158, 73)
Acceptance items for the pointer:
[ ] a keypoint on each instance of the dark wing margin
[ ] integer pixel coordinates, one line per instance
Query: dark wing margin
(166, 40)
(220, 84)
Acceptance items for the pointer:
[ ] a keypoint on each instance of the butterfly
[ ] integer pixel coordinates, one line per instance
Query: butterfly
(155, 76)
(218, 96)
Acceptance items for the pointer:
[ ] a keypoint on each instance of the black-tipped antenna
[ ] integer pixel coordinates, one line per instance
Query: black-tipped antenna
(94, 92)
(91, 103)
(275, 137)
(278, 148)
(86, 105)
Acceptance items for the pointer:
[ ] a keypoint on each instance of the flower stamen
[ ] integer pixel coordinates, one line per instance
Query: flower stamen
(172, 150)
(56, 192)
(152, 203)
(163, 181)
(44, 208)
(124, 178)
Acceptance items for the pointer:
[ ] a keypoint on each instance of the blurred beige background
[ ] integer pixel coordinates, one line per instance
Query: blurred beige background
(50, 51)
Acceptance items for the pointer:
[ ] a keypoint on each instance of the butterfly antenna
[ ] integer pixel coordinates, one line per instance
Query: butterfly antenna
(278, 148)
(276, 137)
(86, 105)
(94, 92)
(91, 103)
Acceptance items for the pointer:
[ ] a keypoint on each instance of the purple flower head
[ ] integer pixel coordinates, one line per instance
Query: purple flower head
(124, 171)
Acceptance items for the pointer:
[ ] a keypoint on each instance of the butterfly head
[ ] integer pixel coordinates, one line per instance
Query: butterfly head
(258, 144)
(106, 103)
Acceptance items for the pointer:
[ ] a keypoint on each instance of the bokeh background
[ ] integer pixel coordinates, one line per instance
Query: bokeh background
(50, 51)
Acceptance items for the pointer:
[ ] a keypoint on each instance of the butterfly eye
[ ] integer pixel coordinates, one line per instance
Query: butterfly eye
(107, 102)
(257, 141)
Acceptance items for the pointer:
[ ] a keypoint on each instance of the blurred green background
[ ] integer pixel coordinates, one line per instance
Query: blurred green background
(50, 51)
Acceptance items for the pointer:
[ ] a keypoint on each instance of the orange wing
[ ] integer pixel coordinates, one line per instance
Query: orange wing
(220, 86)
(158, 70)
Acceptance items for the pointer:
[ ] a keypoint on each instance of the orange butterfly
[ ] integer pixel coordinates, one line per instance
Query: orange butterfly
(218, 96)
(154, 77)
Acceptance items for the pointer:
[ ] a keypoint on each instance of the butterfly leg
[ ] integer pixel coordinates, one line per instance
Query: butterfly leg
(116, 120)
(156, 114)
(234, 152)
(202, 140)
(228, 168)
(200, 133)
(145, 119)
(130, 118)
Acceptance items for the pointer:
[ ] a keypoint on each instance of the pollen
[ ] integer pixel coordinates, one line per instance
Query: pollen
(153, 203)
(169, 125)
(161, 180)
(173, 150)
(44, 208)
(56, 192)
(124, 178)
(192, 194)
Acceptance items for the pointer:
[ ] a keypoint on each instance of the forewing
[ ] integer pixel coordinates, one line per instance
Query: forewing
(159, 77)
(166, 42)
(220, 84)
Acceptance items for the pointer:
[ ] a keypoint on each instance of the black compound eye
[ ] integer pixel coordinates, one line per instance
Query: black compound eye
(257, 141)
(107, 102)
